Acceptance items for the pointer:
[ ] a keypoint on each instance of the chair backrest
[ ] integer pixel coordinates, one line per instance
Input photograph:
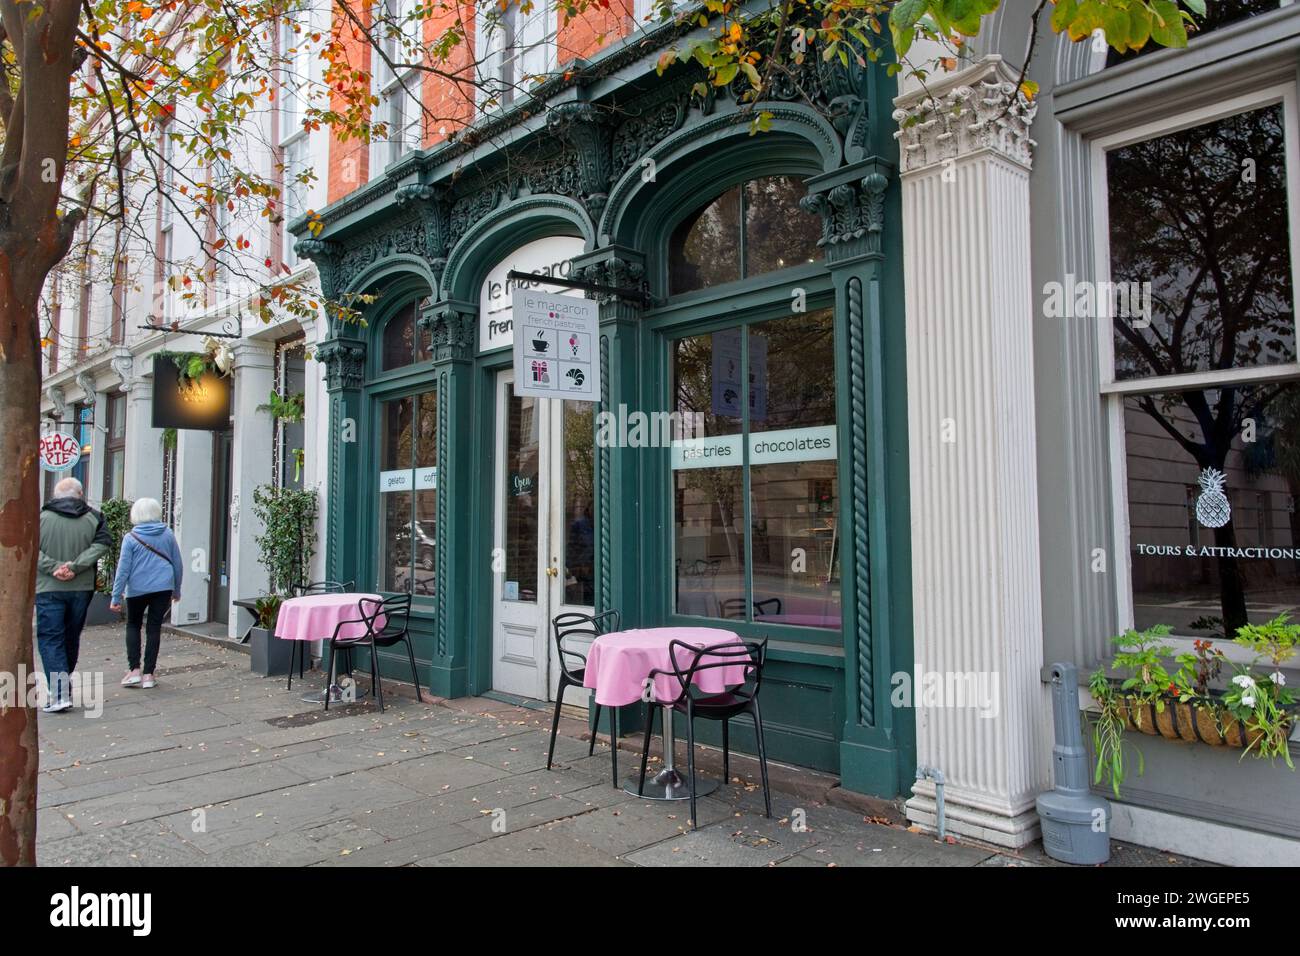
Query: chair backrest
(397, 614)
(325, 587)
(770, 606)
(690, 661)
(733, 608)
(572, 625)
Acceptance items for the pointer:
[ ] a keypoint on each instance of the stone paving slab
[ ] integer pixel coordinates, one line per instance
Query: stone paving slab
(221, 767)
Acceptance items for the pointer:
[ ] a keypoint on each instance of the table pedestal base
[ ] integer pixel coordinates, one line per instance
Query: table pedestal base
(668, 784)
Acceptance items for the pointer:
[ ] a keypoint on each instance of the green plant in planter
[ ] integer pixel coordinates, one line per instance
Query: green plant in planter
(288, 539)
(1108, 734)
(267, 611)
(117, 516)
(1140, 653)
(1198, 669)
(1262, 702)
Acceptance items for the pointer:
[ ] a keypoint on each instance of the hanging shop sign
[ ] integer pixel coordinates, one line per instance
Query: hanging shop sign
(555, 346)
(201, 403)
(551, 256)
(59, 452)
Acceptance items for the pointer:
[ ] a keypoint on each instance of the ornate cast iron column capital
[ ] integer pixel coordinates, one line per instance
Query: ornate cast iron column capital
(344, 361)
(590, 131)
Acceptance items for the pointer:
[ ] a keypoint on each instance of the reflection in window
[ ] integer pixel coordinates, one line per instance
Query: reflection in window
(579, 504)
(790, 551)
(1215, 537)
(746, 231)
(1201, 216)
(1218, 13)
(522, 498)
(408, 497)
(401, 346)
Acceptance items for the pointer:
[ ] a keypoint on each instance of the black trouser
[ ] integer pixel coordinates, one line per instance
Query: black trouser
(156, 604)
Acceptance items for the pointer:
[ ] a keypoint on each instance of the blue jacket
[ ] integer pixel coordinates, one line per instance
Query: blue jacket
(139, 570)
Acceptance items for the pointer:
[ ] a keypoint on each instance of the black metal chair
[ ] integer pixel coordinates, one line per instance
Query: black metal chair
(396, 614)
(315, 587)
(741, 699)
(734, 608)
(575, 625)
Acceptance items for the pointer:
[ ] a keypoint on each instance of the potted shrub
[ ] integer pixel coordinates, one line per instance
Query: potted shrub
(268, 654)
(1257, 712)
(117, 515)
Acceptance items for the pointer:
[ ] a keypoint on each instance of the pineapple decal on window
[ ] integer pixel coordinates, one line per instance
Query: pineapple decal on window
(1212, 507)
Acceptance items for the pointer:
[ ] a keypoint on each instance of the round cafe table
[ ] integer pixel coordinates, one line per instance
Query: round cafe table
(618, 665)
(314, 617)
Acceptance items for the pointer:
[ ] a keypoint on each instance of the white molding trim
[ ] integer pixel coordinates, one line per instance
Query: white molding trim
(1201, 839)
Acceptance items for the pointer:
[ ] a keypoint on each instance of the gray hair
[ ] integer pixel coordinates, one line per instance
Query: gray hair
(69, 488)
(145, 510)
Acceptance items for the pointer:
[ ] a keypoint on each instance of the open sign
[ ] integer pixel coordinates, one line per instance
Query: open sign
(59, 452)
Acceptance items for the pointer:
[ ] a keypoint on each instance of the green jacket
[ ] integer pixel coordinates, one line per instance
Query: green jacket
(73, 533)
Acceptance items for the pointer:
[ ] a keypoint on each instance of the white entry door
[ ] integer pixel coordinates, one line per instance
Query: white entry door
(543, 534)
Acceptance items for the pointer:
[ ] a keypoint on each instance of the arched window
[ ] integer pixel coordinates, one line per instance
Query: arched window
(401, 343)
(750, 229)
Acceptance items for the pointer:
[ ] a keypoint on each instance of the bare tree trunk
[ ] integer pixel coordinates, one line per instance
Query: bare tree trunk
(20, 389)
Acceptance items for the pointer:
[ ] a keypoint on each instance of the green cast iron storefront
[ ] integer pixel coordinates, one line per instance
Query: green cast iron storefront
(777, 249)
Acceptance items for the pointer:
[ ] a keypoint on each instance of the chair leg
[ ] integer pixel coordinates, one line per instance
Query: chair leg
(762, 757)
(690, 761)
(329, 676)
(410, 653)
(645, 749)
(292, 651)
(613, 743)
(376, 685)
(555, 722)
(726, 754)
(591, 745)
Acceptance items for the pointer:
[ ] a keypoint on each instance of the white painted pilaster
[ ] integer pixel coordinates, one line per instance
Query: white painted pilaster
(975, 548)
(251, 461)
(143, 469)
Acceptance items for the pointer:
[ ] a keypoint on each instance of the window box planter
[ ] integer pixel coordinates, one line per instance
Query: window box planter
(1206, 722)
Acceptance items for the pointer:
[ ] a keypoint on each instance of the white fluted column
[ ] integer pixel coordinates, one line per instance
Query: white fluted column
(975, 553)
(250, 466)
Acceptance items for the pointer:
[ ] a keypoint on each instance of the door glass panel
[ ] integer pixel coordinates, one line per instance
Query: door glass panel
(708, 502)
(794, 550)
(522, 489)
(395, 495)
(579, 504)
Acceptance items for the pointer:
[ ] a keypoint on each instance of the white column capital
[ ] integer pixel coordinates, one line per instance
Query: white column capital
(974, 110)
(254, 354)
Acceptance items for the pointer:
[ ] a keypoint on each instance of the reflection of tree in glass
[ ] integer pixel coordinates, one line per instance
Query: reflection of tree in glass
(800, 370)
(705, 248)
(693, 385)
(1201, 214)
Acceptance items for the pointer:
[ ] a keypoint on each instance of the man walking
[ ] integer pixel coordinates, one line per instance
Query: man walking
(73, 538)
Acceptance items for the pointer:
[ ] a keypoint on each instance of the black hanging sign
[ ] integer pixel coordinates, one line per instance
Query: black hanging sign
(202, 404)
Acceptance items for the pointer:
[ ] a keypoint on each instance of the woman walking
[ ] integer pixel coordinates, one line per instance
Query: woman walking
(149, 574)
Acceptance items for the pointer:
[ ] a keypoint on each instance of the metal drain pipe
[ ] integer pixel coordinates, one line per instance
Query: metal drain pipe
(935, 774)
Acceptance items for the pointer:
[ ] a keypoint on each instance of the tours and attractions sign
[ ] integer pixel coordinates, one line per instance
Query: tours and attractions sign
(202, 404)
(59, 452)
(555, 346)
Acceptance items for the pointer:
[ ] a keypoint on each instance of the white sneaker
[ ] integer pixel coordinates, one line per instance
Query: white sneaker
(131, 679)
(56, 706)
(148, 683)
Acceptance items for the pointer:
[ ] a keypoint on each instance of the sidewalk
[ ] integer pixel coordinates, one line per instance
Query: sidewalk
(217, 766)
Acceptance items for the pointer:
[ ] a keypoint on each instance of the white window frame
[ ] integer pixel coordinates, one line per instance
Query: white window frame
(497, 49)
(400, 95)
(1113, 391)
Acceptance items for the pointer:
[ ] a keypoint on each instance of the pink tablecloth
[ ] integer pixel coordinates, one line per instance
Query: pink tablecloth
(314, 617)
(618, 664)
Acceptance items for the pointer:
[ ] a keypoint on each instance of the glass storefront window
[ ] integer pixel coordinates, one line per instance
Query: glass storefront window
(776, 437)
(1200, 250)
(408, 481)
(747, 231)
(115, 447)
(404, 341)
(523, 492)
(579, 500)
(1213, 479)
